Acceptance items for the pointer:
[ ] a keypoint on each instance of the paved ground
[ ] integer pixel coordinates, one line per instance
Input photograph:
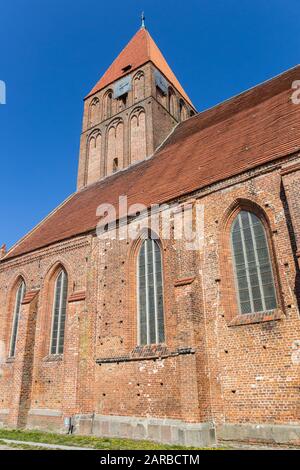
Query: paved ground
(242, 446)
(39, 445)
(6, 448)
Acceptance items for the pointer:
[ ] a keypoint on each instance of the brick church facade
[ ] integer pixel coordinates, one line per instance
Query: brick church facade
(144, 338)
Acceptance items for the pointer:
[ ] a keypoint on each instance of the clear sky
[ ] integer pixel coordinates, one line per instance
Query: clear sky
(52, 52)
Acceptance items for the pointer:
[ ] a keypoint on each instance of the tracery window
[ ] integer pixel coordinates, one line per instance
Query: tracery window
(252, 265)
(59, 313)
(150, 293)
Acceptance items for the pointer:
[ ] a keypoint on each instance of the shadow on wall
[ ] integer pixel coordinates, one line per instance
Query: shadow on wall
(293, 243)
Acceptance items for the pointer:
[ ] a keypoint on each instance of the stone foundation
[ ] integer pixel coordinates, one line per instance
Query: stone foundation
(45, 420)
(265, 433)
(167, 431)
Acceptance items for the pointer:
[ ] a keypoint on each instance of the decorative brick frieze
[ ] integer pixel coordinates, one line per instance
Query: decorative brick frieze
(77, 296)
(146, 354)
(184, 282)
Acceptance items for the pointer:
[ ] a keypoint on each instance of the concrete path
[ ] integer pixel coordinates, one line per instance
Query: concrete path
(40, 444)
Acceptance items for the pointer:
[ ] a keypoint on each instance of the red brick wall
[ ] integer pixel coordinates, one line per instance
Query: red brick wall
(210, 369)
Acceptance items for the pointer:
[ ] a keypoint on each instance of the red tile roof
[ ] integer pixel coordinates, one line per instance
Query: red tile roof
(254, 128)
(139, 50)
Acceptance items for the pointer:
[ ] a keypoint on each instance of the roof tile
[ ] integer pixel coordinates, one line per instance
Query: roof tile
(254, 128)
(139, 50)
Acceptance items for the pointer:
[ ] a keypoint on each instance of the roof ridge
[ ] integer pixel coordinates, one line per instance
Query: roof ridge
(228, 104)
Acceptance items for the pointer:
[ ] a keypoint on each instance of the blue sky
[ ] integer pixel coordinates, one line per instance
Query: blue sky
(52, 52)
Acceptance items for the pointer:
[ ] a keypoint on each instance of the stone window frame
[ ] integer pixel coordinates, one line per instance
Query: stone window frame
(132, 287)
(227, 280)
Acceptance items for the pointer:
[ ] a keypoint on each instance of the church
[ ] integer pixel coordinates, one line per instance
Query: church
(143, 337)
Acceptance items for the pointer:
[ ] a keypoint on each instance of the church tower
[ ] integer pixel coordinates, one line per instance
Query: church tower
(130, 111)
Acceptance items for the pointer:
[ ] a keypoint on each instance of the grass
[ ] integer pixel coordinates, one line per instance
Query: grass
(82, 441)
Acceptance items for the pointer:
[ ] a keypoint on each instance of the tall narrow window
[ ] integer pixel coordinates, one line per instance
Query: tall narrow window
(107, 111)
(183, 112)
(139, 86)
(150, 294)
(138, 137)
(59, 313)
(93, 112)
(18, 302)
(115, 145)
(172, 102)
(94, 157)
(115, 165)
(253, 269)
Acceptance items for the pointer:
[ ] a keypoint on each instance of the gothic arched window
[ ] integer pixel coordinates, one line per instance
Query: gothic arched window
(138, 144)
(93, 115)
(183, 112)
(139, 86)
(172, 102)
(59, 313)
(115, 146)
(94, 157)
(252, 265)
(115, 165)
(17, 308)
(107, 104)
(150, 293)
(161, 97)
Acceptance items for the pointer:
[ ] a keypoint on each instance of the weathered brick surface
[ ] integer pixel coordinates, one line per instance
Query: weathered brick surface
(242, 373)
(216, 366)
(134, 139)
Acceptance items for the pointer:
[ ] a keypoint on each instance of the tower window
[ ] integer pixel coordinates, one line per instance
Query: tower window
(252, 265)
(108, 98)
(122, 101)
(115, 165)
(183, 113)
(172, 102)
(150, 294)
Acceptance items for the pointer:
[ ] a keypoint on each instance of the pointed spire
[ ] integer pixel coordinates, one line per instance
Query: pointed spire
(143, 20)
(138, 51)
